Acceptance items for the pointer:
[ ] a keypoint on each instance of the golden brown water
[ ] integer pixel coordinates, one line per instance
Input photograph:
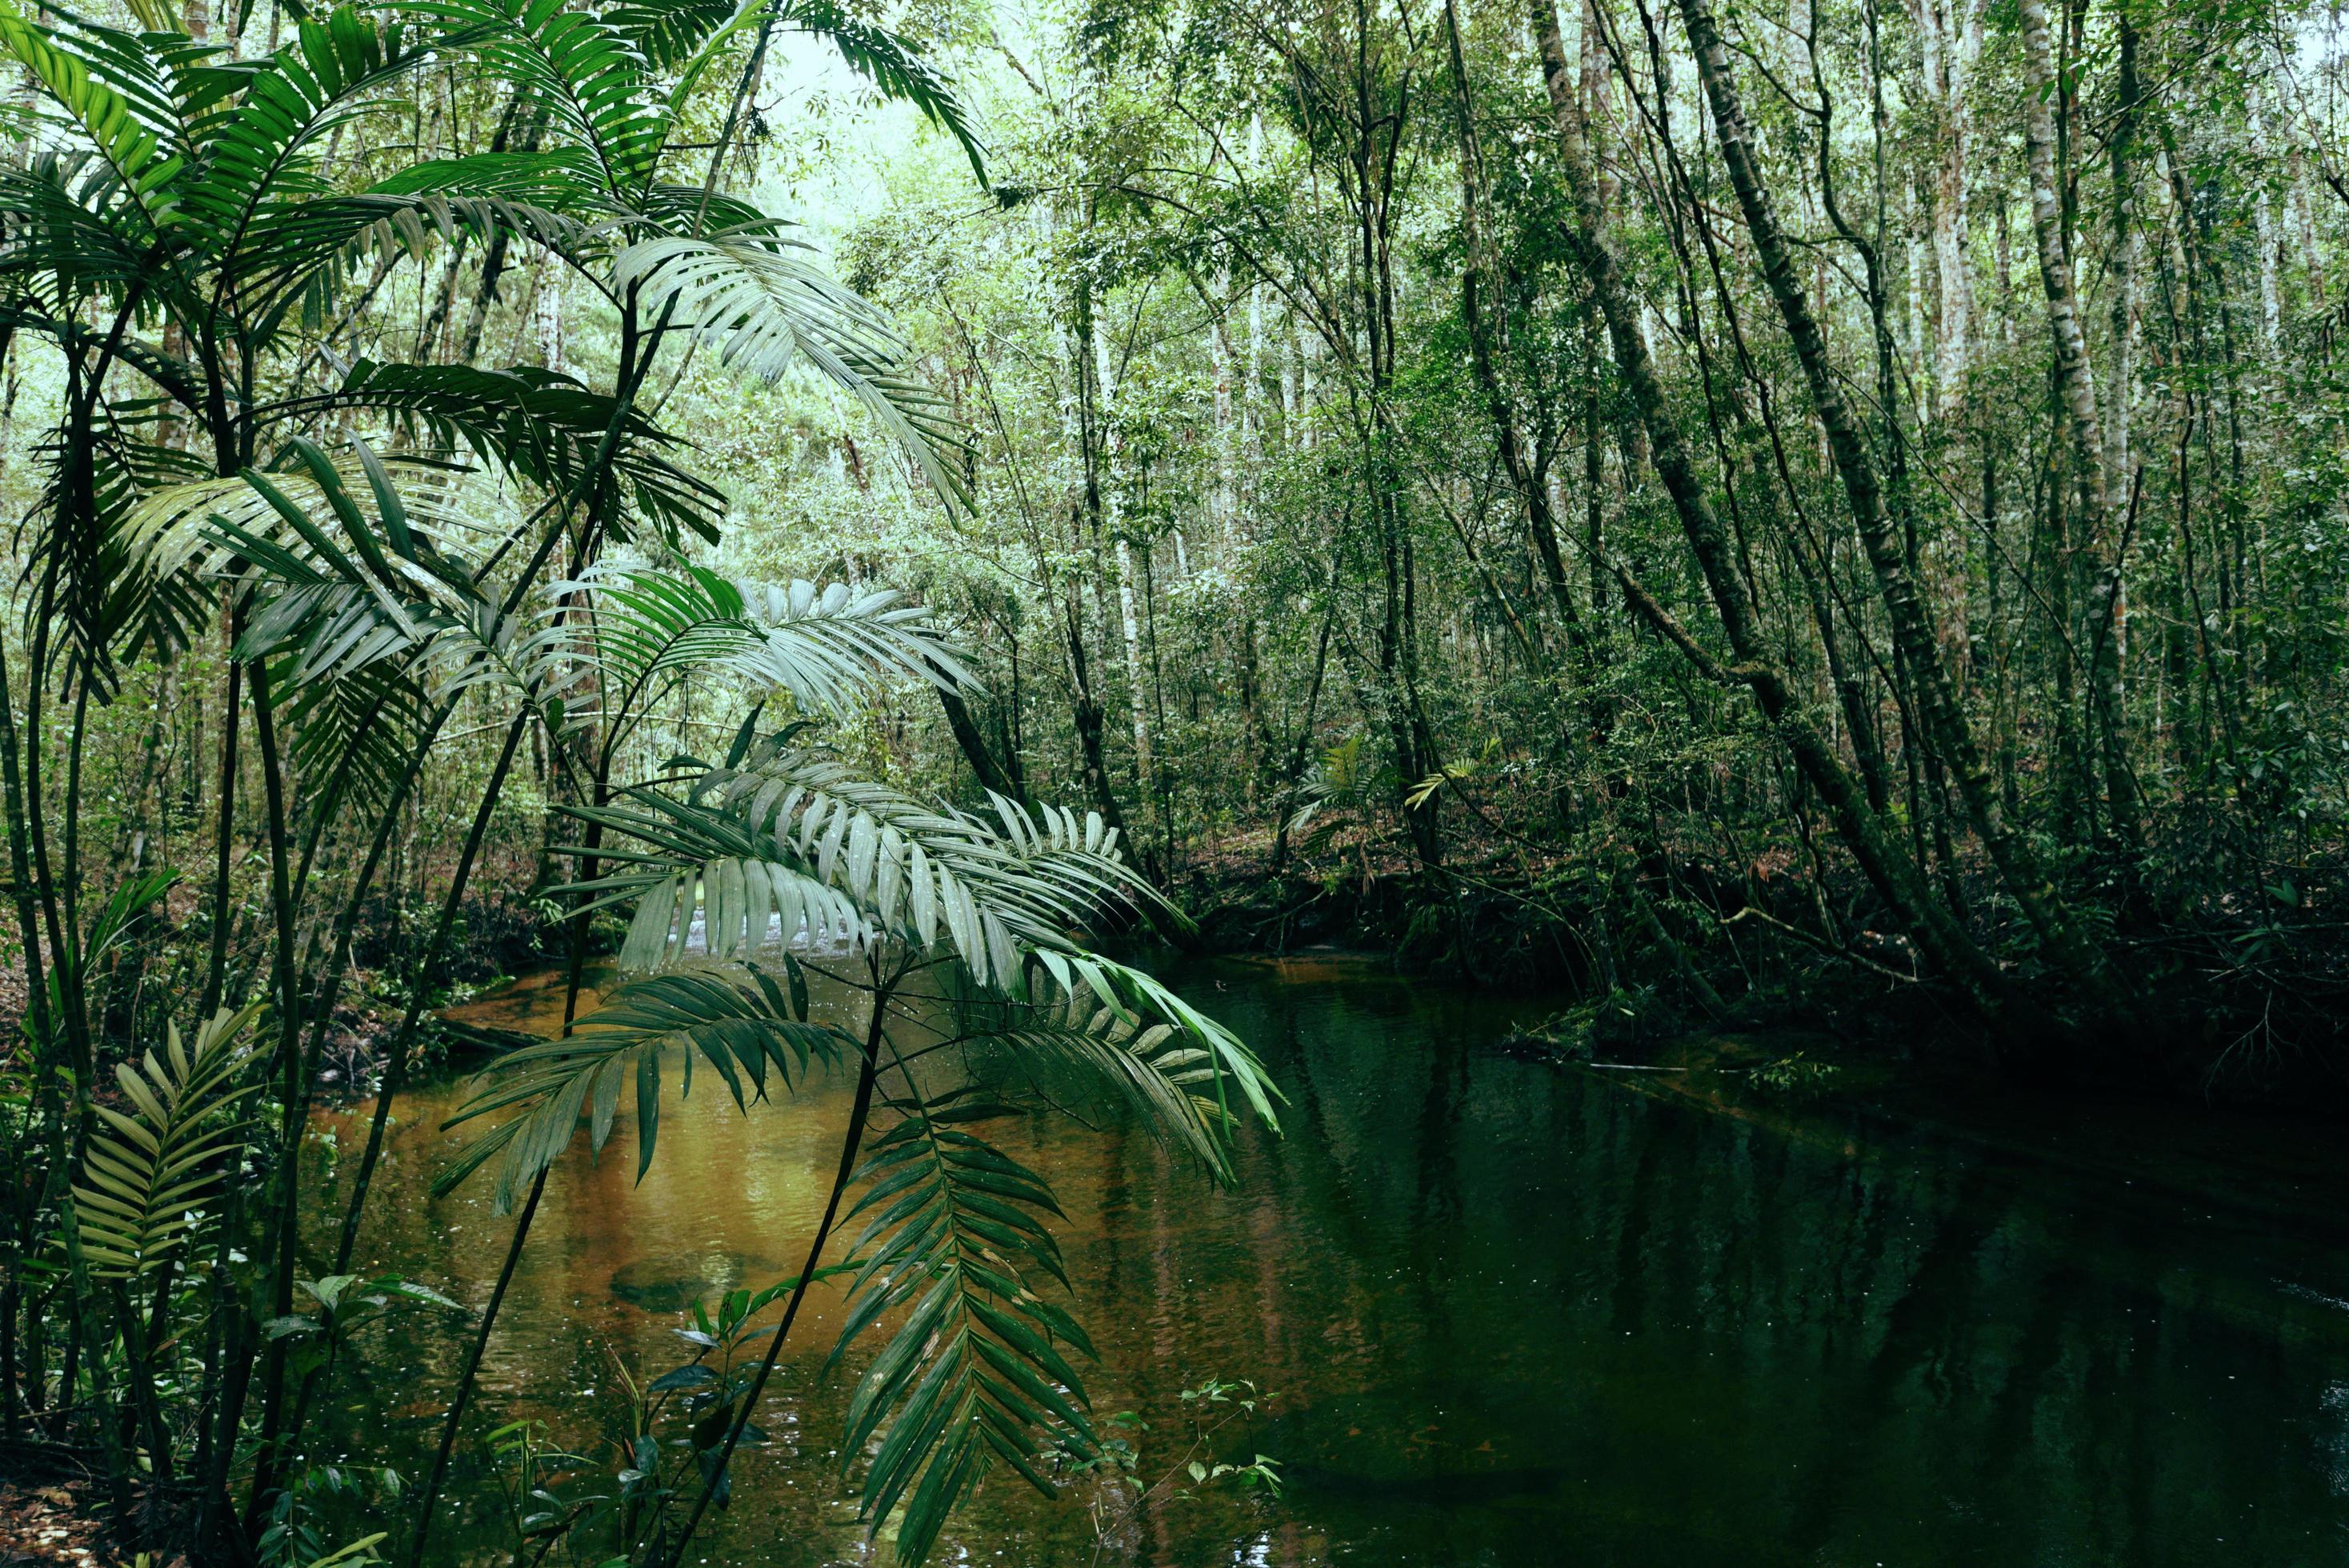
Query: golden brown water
(1510, 1313)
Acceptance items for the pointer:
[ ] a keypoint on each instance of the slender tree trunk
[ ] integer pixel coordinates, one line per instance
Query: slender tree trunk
(1476, 280)
(2075, 388)
(1947, 946)
(1912, 634)
(1950, 41)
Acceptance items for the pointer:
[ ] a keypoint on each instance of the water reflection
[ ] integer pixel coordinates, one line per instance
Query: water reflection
(1511, 1314)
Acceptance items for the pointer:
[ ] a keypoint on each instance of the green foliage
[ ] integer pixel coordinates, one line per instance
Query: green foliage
(153, 1166)
(977, 1372)
(743, 1024)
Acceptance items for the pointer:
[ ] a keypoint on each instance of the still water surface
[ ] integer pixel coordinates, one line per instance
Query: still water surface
(1508, 1314)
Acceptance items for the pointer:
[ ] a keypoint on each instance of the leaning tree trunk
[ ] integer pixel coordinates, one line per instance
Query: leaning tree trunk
(1913, 637)
(1945, 945)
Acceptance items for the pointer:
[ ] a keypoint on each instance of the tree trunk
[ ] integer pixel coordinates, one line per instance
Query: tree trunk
(1476, 280)
(2075, 388)
(1912, 634)
(1946, 946)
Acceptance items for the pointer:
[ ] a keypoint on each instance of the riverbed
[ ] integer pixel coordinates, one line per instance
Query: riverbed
(1502, 1311)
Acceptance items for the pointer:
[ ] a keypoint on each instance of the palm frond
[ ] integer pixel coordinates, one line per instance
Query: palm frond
(711, 877)
(543, 428)
(766, 307)
(304, 262)
(364, 723)
(125, 118)
(825, 646)
(679, 35)
(106, 604)
(914, 872)
(977, 1369)
(341, 587)
(744, 1023)
(152, 1166)
(65, 234)
(668, 33)
(254, 171)
(1085, 1026)
(584, 70)
(893, 64)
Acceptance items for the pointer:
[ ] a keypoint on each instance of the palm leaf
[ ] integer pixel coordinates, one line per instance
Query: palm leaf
(153, 1164)
(585, 72)
(127, 121)
(892, 63)
(680, 35)
(767, 308)
(743, 1023)
(339, 586)
(545, 428)
(825, 646)
(254, 171)
(1085, 1026)
(977, 1369)
(991, 890)
(364, 725)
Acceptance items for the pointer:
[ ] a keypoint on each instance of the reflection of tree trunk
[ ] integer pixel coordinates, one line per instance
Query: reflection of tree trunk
(2076, 387)
(1912, 632)
(1951, 950)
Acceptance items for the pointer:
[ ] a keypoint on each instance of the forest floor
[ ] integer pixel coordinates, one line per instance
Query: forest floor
(51, 1522)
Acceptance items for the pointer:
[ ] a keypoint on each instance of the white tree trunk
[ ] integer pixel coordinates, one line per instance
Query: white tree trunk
(1224, 502)
(2076, 380)
(1146, 771)
(1949, 40)
(2263, 219)
(1112, 520)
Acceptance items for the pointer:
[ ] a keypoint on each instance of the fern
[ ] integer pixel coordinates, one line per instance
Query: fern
(152, 1166)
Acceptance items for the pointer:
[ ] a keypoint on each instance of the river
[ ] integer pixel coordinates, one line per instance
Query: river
(1505, 1312)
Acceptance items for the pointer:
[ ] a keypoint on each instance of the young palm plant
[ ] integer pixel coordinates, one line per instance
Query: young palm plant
(961, 931)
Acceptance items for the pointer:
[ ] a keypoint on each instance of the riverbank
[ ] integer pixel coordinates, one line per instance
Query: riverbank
(2245, 1005)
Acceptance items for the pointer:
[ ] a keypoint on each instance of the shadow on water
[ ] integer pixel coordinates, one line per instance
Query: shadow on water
(1510, 1313)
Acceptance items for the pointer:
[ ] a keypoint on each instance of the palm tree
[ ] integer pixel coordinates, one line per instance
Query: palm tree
(373, 547)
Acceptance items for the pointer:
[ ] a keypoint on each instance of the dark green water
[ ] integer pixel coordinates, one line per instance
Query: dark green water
(1510, 1313)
